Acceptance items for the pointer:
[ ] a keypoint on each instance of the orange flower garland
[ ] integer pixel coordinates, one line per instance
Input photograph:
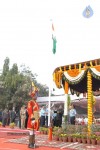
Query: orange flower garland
(97, 68)
(66, 87)
(57, 78)
(73, 72)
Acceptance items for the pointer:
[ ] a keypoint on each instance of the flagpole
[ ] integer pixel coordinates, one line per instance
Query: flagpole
(54, 51)
(49, 105)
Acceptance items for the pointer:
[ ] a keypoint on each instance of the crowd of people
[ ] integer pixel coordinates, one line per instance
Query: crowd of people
(11, 116)
(20, 118)
(32, 117)
(7, 116)
(56, 116)
(81, 120)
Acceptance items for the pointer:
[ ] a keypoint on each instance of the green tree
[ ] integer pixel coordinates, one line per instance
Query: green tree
(6, 66)
(15, 85)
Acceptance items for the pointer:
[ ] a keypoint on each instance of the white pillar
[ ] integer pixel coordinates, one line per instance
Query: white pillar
(66, 105)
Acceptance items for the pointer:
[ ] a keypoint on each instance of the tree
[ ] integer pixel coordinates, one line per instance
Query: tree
(15, 85)
(6, 66)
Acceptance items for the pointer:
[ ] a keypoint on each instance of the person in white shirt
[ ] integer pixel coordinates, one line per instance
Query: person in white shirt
(80, 120)
(72, 114)
(86, 120)
(42, 118)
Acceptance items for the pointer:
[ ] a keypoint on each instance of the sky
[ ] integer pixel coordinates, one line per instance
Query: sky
(26, 34)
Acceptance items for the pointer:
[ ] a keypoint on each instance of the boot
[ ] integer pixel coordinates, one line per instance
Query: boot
(30, 145)
(33, 140)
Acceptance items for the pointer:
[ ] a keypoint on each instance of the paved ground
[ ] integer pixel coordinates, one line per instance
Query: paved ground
(17, 139)
(42, 140)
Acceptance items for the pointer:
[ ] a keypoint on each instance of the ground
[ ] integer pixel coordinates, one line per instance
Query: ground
(17, 139)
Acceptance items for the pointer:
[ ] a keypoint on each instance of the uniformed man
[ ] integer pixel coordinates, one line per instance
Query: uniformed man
(33, 118)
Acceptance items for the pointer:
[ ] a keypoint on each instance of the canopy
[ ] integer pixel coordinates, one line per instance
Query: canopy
(83, 77)
(76, 76)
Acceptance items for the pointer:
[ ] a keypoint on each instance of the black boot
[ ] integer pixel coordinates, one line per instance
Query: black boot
(31, 145)
(33, 140)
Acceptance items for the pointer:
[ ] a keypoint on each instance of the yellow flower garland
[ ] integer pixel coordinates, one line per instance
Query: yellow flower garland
(89, 90)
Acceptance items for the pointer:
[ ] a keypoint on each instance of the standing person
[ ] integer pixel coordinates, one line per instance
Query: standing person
(60, 112)
(33, 117)
(0, 115)
(23, 116)
(26, 120)
(19, 119)
(72, 114)
(4, 117)
(46, 116)
(54, 116)
(59, 115)
(12, 115)
(42, 114)
(8, 117)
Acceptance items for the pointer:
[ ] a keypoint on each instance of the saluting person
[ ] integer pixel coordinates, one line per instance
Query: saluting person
(33, 118)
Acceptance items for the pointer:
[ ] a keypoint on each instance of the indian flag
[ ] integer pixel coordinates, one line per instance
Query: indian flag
(54, 39)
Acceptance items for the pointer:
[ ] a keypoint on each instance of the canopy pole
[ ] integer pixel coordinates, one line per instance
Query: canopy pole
(66, 108)
(66, 87)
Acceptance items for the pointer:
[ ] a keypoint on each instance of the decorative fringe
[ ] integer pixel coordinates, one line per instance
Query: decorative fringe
(64, 68)
(69, 67)
(85, 66)
(91, 64)
(75, 66)
(95, 62)
(79, 67)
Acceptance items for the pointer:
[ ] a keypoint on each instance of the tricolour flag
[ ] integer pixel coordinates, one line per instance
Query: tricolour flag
(54, 40)
(52, 27)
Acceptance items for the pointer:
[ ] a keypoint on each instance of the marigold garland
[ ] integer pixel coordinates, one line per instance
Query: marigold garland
(97, 68)
(66, 87)
(57, 76)
(89, 90)
(80, 68)
(73, 72)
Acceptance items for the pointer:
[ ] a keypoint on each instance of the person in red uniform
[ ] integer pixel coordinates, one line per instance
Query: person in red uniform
(33, 118)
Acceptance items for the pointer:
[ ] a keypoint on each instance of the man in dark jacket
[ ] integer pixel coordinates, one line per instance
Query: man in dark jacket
(12, 115)
(60, 112)
(4, 117)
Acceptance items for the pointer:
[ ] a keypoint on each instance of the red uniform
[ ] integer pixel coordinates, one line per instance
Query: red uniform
(33, 116)
(33, 112)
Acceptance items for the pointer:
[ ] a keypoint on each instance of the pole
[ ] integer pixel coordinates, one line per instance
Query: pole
(49, 116)
(49, 106)
(66, 108)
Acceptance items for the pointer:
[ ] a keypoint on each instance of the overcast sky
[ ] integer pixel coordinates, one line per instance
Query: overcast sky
(26, 35)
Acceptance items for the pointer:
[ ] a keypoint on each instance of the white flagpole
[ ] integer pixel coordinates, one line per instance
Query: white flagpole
(49, 105)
